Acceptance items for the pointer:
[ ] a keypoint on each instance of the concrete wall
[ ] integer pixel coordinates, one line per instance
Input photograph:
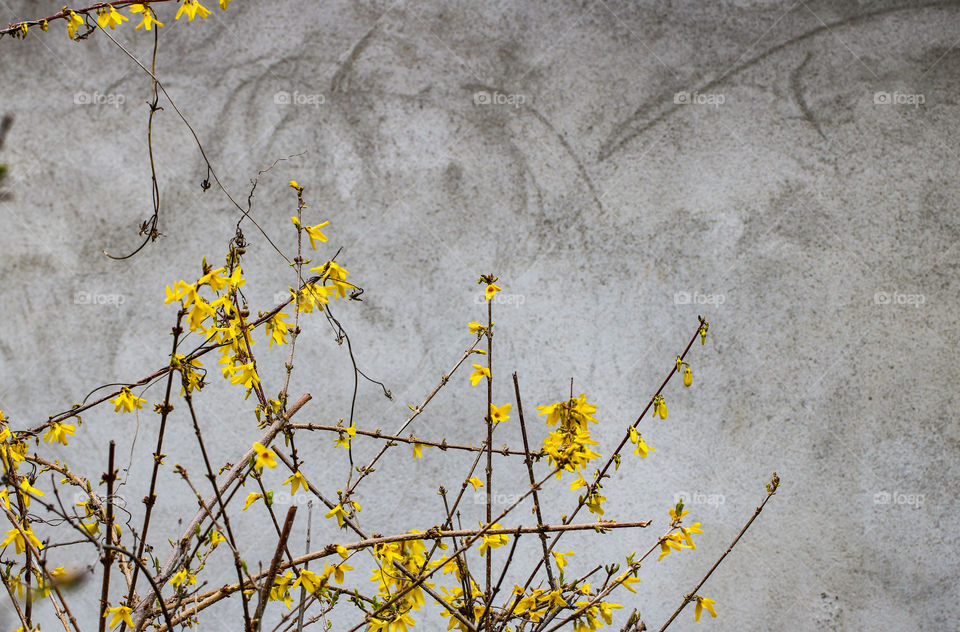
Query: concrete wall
(788, 170)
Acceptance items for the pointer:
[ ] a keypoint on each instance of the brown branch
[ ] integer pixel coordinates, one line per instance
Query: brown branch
(443, 445)
(692, 594)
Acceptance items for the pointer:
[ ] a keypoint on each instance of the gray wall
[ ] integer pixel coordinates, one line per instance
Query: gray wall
(802, 199)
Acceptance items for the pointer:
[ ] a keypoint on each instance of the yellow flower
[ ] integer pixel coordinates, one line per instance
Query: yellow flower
(686, 531)
(28, 489)
(561, 558)
(74, 22)
(252, 497)
(264, 457)
(149, 17)
(479, 374)
(16, 537)
(313, 232)
(625, 580)
(687, 376)
(493, 541)
(342, 551)
(296, 482)
(476, 482)
(345, 435)
(244, 374)
(108, 16)
(293, 183)
(500, 414)
(703, 602)
(223, 6)
(183, 577)
(216, 538)
(642, 448)
(417, 449)
(120, 614)
(277, 329)
(475, 328)
(594, 503)
(673, 513)
(192, 8)
(59, 432)
(127, 401)
(669, 543)
(339, 513)
(703, 332)
(491, 291)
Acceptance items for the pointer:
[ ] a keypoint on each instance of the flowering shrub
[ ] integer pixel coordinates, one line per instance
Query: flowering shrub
(385, 581)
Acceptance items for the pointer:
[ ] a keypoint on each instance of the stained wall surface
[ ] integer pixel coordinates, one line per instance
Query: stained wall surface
(786, 169)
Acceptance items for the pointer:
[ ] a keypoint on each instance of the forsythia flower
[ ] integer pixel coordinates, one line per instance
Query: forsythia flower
(476, 482)
(149, 18)
(500, 414)
(293, 183)
(108, 16)
(417, 450)
(192, 8)
(313, 232)
(642, 448)
(345, 435)
(491, 291)
(687, 376)
(16, 537)
(703, 602)
(339, 513)
(475, 328)
(28, 489)
(74, 22)
(297, 481)
(59, 432)
(252, 497)
(223, 6)
(127, 401)
(561, 558)
(120, 614)
(493, 541)
(479, 374)
(183, 577)
(264, 457)
(670, 543)
(277, 329)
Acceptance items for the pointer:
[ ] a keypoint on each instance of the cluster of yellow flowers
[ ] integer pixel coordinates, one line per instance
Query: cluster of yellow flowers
(392, 583)
(568, 447)
(107, 16)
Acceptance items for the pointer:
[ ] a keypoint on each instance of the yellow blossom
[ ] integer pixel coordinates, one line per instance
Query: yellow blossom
(108, 16)
(339, 512)
(27, 489)
(703, 602)
(252, 497)
(476, 482)
(491, 291)
(149, 17)
(74, 22)
(296, 482)
(479, 374)
(493, 541)
(127, 401)
(345, 435)
(313, 232)
(264, 457)
(16, 537)
(183, 577)
(58, 432)
(476, 328)
(192, 8)
(498, 414)
(561, 558)
(121, 614)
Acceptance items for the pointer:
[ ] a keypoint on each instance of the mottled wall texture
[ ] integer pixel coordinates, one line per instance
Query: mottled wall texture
(787, 169)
